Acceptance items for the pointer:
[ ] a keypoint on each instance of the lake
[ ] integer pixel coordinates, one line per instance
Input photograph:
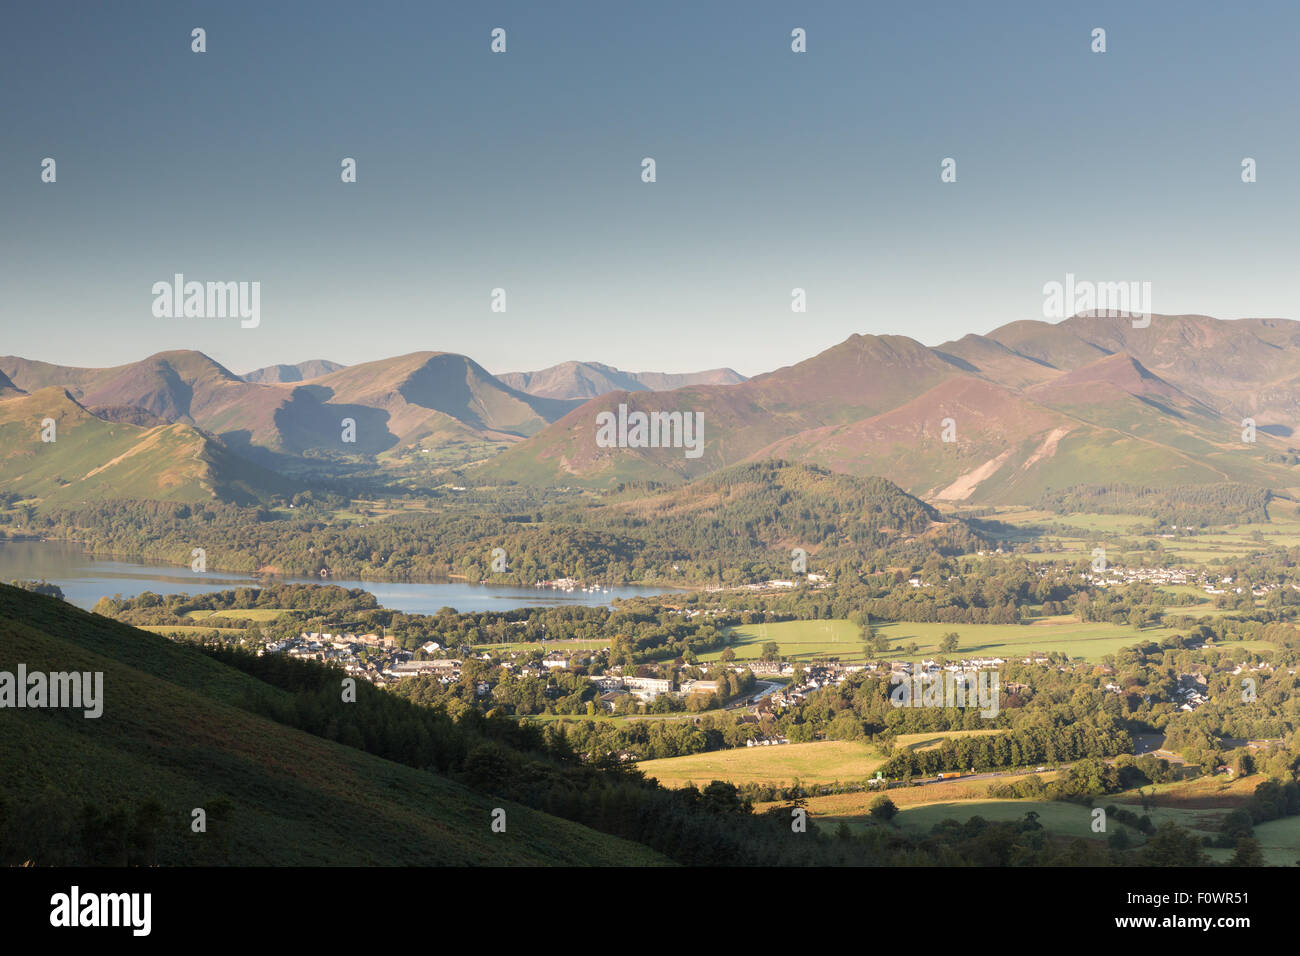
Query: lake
(85, 579)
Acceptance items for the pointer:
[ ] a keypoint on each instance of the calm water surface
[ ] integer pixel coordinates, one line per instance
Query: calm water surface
(85, 580)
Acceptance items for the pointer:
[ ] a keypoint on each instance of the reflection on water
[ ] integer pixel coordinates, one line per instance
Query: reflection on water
(85, 580)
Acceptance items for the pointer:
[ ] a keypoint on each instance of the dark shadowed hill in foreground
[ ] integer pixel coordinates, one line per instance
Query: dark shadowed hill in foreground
(175, 735)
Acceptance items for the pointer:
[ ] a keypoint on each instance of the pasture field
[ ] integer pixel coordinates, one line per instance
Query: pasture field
(1197, 804)
(1195, 602)
(1100, 523)
(1196, 793)
(1198, 611)
(808, 640)
(1279, 840)
(566, 645)
(1057, 816)
(184, 629)
(823, 761)
(848, 806)
(1086, 529)
(819, 762)
(250, 614)
(1192, 595)
(802, 640)
(600, 716)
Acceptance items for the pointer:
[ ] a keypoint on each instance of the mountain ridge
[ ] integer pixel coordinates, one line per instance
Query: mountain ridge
(1054, 399)
(570, 380)
(1031, 401)
(296, 372)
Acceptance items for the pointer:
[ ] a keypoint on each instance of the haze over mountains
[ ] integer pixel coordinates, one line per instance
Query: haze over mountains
(568, 380)
(589, 379)
(1028, 407)
(302, 371)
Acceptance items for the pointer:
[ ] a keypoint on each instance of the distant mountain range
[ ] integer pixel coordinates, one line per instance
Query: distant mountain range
(566, 381)
(571, 380)
(991, 418)
(274, 374)
(433, 396)
(1031, 406)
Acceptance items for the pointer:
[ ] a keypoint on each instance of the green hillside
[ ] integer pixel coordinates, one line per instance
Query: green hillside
(93, 459)
(759, 511)
(175, 732)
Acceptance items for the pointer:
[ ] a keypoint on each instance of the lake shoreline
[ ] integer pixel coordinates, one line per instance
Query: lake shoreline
(135, 557)
(85, 577)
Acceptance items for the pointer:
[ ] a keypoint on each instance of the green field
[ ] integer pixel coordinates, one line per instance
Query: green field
(541, 646)
(823, 761)
(250, 614)
(600, 715)
(1086, 530)
(184, 629)
(1279, 840)
(807, 640)
(1059, 817)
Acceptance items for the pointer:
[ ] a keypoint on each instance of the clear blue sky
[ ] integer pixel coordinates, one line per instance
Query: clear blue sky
(522, 171)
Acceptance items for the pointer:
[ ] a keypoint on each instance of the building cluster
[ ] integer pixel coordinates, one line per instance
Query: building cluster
(1116, 574)
(817, 581)
(612, 686)
(569, 585)
(380, 660)
(1193, 688)
(1207, 581)
(363, 655)
(819, 675)
(1192, 691)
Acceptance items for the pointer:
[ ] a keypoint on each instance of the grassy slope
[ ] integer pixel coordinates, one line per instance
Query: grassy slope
(807, 640)
(172, 730)
(823, 761)
(96, 460)
(1198, 804)
(1279, 840)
